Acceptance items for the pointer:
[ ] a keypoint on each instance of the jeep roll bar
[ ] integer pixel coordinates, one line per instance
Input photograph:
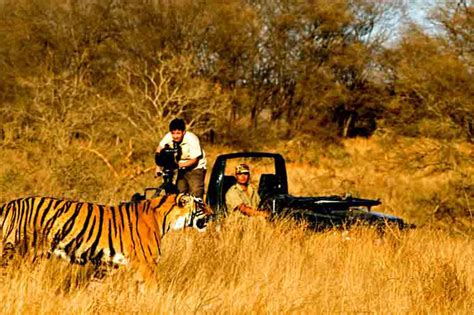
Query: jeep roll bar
(215, 197)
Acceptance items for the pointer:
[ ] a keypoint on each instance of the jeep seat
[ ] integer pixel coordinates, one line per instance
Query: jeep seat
(269, 183)
(229, 181)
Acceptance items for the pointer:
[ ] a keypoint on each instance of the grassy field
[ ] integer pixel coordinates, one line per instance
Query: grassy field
(88, 88)
(256, 266)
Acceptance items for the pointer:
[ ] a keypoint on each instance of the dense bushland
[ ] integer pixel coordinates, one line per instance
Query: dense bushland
(87, 89)
(300, 66)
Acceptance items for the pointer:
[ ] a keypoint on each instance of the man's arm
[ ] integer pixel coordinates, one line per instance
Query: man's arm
(167, 139)
(232, 200)
(195, 151)
(188, 163)
(251, 212)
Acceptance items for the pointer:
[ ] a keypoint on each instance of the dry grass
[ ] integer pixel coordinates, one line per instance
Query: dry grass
(424, 181)
(255, 266)
(85, 99)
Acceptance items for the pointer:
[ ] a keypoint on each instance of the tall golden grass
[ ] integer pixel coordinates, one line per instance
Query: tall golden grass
(257, 266)
(426, 181)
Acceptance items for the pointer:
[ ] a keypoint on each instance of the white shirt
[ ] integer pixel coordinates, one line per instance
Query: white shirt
(190, 148)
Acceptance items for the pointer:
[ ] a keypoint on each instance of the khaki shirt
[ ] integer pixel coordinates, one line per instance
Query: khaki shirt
(236, 196)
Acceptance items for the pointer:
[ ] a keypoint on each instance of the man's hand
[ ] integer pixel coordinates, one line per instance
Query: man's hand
(158, 172)
(252, 212)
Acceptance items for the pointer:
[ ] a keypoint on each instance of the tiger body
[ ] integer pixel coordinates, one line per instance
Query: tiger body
(82, 232)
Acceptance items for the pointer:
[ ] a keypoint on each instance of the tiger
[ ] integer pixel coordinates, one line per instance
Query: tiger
(82, 232)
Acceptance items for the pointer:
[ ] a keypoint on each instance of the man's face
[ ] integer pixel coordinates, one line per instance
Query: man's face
(242, 178)
(177, 135)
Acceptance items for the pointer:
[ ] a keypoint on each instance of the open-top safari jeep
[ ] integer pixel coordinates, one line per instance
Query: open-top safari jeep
(317, 212)
(268, 171)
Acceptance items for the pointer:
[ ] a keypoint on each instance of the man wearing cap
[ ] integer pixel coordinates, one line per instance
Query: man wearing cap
(243, 196)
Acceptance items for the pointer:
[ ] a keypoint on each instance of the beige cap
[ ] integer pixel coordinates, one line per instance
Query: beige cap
(242, 169)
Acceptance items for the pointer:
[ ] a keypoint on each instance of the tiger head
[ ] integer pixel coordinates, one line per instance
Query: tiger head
(185, 211)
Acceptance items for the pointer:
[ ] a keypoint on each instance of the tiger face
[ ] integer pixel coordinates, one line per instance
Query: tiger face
(187, 212)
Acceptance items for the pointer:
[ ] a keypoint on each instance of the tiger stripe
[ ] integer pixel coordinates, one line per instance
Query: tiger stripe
(82, 232)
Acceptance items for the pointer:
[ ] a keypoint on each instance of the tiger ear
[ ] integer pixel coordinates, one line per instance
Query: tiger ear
(182, 200)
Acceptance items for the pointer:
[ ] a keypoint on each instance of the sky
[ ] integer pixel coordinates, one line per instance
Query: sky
(418, 10)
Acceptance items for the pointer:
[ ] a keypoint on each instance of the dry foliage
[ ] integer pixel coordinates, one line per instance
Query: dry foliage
(257, 266)
(304, 66)
(254, 266)
(87, 89)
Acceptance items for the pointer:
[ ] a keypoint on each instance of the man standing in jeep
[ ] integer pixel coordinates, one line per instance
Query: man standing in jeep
(243, 196)
(190, 158)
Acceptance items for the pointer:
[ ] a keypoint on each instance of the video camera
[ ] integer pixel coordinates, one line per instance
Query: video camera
(168, 159)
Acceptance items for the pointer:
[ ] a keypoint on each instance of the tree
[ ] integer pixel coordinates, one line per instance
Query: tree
(431, 77)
